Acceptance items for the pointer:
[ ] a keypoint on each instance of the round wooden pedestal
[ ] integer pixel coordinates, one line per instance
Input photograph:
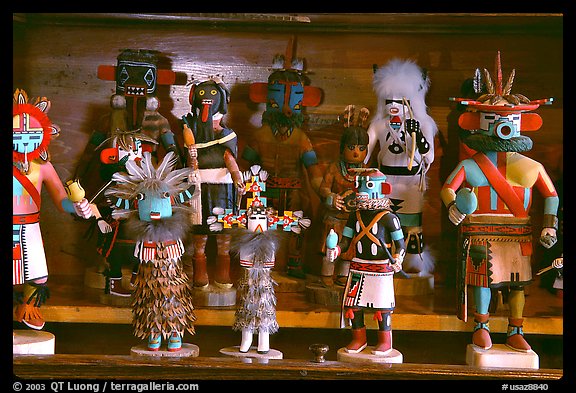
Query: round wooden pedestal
(187, 350)
(366, 356)
(214, 296)
(252, 353)
(33, 342)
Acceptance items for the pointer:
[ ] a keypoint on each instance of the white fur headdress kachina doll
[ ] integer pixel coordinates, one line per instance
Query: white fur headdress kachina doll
(405, 134)
(151, 200)
(256, 241)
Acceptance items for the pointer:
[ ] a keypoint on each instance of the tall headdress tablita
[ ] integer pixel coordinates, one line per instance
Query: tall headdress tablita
(258, 91)
(349, 118)
(498, 98)
(28, 115)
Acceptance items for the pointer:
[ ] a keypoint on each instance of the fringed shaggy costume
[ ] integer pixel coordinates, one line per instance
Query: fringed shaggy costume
(256, 311)
(162, 298)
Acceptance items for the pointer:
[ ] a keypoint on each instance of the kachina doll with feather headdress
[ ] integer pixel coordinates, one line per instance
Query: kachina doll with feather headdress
(489, 196)
(282, 147)
(337, 187)
(213, 149)
(374, 234)
(405, 133)
(32, 132)
(133, 125)
(151, 200)
(257, 233)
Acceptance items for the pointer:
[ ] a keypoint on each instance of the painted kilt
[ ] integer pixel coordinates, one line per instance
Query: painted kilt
(370, 285)
(498, 250)
(28, 256)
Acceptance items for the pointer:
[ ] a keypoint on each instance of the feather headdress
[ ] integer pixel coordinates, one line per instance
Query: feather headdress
(147, 179)
(404, 79)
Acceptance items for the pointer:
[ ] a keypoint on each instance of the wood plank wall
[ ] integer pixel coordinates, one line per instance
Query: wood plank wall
(57, 55)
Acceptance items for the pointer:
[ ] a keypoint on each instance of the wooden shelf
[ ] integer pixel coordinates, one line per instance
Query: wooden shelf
(105, 367)
(543, 311)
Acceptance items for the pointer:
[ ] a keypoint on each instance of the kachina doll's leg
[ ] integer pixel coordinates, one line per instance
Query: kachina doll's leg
(294, 265)
(35, 294)
(200, 276)
(515, 336)
(222, 274)
(246, 340)
(114, 274)
(263, 341)
(384, 344)
(481, 336)
(359, 341)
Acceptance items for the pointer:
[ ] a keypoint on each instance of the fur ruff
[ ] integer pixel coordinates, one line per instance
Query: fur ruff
(485, 143)
(404, 78)
(170, 228)
(263, 245)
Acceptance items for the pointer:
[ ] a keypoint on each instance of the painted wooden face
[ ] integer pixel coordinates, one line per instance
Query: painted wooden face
(285, 93)
(395, 109)
(136, 79)
(500, 125)
(31, 130)
(257, 220)
(371, 187)
(354, 154)
(153, 206)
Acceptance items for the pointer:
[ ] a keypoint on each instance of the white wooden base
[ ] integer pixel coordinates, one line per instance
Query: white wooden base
(366, 356)
(187, 350)
(327, 296)
(287, 283)
(214, 296)
(33, 342)
(501, 356)
(418, 284)
(252, 353)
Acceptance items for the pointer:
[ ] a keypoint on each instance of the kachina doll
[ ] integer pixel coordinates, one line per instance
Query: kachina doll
(213, 150)
(405, 134)
(32, 132)
(489, 196)
(151, 201)
(374, 233)
(256, 240)
(337, 187)
(282, 147)
(132, 126)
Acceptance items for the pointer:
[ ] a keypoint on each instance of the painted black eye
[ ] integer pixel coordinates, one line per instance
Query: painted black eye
(140, 196)
(213, 92)
(370, 185)
(166, 194)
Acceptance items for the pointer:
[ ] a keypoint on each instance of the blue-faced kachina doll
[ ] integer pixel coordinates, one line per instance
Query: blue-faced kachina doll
(282, 147)
(373, 234)
(489, 195)
(151, 201)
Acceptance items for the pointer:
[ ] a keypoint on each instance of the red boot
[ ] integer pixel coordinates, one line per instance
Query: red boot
(384, 345)
(200, 275)
(358, 342)
(515, 338)
(481, 336)
(222, 274)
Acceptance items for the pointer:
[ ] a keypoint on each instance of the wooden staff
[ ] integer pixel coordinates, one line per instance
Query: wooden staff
(196, 200)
